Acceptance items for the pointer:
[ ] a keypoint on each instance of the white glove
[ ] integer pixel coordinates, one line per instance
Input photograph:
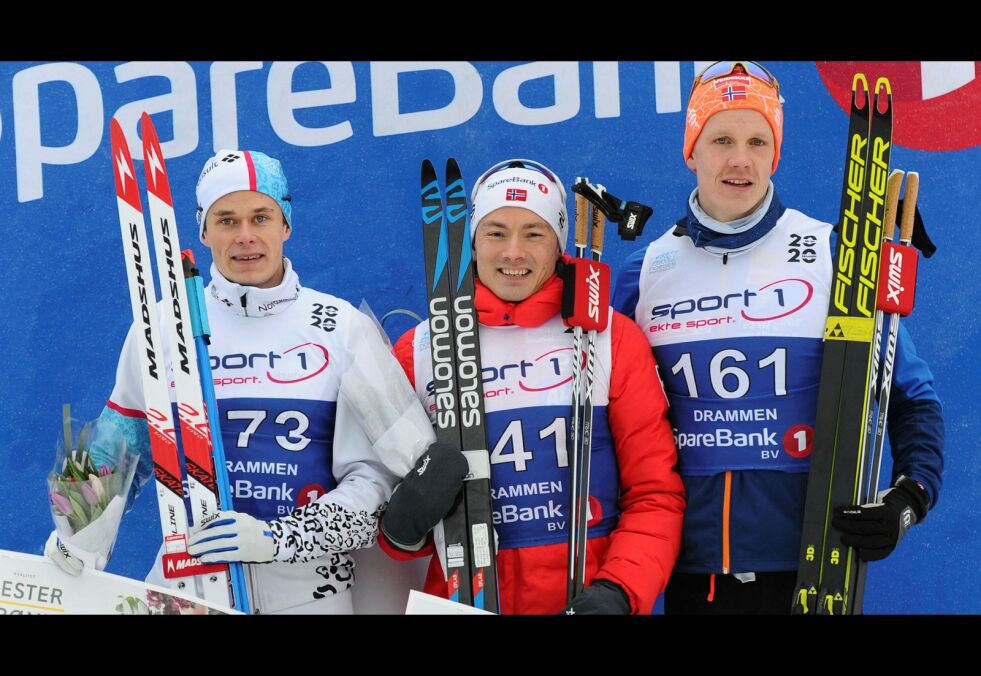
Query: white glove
(232, 536)
(71, 559)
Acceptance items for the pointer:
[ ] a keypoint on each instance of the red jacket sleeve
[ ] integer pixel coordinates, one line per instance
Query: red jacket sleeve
(645, 544)
(400, 554)
(405, 353)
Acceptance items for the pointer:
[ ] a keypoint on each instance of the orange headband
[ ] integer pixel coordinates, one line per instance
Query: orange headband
(733, 92)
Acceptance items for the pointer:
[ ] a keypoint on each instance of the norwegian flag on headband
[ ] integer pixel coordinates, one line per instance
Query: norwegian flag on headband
(734, 93)
(516, 195)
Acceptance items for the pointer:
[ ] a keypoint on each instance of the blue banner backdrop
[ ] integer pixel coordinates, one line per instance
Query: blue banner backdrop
(351, 137)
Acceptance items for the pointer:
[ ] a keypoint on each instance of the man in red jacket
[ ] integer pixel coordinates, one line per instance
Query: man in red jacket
(636, 497)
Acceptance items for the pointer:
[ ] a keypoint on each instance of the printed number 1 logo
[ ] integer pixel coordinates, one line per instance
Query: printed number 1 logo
(798, 441)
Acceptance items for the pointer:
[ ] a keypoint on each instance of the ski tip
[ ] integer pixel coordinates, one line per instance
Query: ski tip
(861, 96)
(122, 164)
(153, 161)
(428, 168)
(116, 135)
(147, 130)
(883, 98)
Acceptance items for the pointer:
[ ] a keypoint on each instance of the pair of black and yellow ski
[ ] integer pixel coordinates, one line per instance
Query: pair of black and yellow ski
(847, 451)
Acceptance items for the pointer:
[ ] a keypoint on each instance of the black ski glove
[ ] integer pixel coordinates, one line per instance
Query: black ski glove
(600, 598)
(875, 530)
(425, 495)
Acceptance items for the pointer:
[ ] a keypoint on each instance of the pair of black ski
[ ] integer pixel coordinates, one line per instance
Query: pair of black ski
(831, 577)
(469, 547)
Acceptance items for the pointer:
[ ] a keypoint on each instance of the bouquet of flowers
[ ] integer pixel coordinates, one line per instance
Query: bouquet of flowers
(88, 488)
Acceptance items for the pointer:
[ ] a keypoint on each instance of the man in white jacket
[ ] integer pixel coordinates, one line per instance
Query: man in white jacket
(318, 420)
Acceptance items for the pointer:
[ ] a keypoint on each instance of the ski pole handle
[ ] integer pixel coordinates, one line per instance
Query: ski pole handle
(894, 184)
(909, 206)
(599, 226)
(582, 221)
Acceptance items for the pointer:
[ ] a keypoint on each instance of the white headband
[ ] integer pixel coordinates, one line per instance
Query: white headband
(537, 189)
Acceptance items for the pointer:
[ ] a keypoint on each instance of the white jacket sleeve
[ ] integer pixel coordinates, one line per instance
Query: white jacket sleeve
(381, 430)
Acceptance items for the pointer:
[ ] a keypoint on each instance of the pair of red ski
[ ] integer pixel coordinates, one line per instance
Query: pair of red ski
(186, 332)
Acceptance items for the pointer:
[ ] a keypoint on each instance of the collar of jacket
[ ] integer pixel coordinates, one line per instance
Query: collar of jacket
(533, 311)
(740, 234)
(251, 301)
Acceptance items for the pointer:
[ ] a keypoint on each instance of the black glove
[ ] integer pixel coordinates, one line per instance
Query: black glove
(875, 530)
(425, 495)
(600, 598)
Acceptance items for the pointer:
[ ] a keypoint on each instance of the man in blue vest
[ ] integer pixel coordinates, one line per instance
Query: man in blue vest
(736, 323)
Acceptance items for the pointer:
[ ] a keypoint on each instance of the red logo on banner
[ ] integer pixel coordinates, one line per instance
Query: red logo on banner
(935, 103)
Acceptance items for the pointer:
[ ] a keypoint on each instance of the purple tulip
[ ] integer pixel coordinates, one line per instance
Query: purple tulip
(89, 494)
(104, 471)
(62, 503)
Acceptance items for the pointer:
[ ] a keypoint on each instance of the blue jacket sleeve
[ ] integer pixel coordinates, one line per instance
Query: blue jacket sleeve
(626, 291)
(916, 425)
(135, 434)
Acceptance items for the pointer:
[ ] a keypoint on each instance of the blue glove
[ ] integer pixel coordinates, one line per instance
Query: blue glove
(232, 536)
